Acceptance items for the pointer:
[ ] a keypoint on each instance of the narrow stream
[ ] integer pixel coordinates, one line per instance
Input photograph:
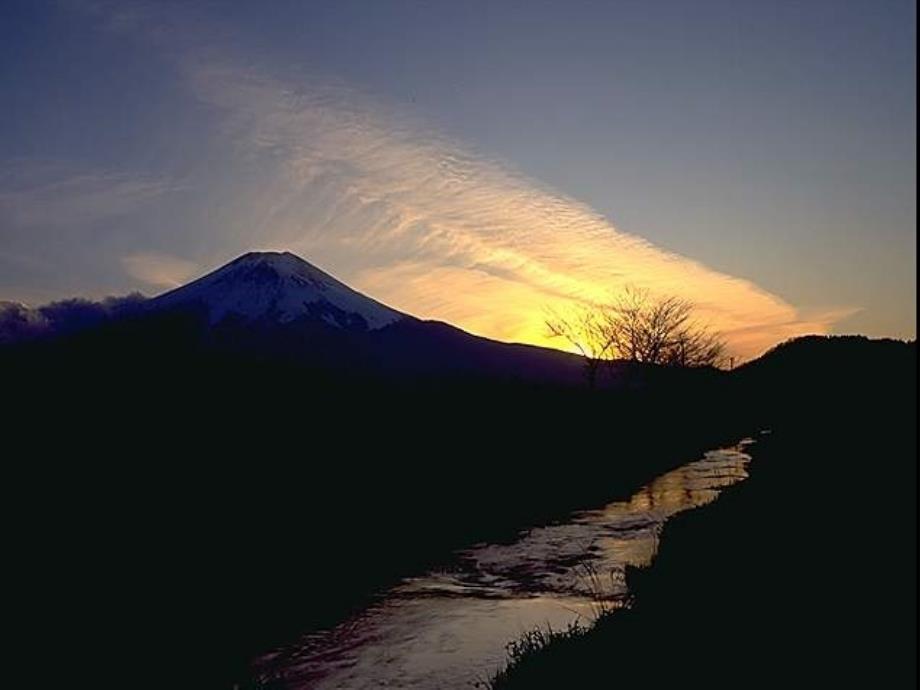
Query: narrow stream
(449, 629)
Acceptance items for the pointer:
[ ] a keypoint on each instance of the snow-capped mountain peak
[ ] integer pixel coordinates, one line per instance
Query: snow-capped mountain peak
(280, 287)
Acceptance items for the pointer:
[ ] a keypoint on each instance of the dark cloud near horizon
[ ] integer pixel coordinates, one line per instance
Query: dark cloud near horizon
(21, 323)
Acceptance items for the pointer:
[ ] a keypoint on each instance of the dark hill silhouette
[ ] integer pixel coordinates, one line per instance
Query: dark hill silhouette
(848, 360)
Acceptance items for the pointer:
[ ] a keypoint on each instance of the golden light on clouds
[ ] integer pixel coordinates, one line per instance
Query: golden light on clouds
(160, 270)
(420, 221)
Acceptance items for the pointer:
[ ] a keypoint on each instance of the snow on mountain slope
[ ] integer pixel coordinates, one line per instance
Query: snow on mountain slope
(280, 287)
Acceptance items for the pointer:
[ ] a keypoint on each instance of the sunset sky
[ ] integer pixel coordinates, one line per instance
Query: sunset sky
(475, 162)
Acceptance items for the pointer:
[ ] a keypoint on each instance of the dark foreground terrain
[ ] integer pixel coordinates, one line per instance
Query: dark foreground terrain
(175, 510)
(802, 576)
(177, 504)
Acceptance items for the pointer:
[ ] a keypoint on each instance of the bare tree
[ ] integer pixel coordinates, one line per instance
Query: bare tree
(661, 330)
(587, 330)
(696, 347)
(640, 328)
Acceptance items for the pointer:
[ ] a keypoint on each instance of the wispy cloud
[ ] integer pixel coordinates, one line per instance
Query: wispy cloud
(57, 194)
(414, 218)
(160, 270)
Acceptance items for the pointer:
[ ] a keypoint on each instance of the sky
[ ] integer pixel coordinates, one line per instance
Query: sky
(476, 162)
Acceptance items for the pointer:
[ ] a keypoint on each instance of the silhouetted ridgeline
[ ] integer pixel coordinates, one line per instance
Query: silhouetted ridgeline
(187, 493)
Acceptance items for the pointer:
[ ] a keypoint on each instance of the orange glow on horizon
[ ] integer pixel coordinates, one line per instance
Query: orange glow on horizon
(750, 320)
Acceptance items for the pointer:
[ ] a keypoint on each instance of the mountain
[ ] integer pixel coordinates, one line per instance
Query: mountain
(275, 307)
(279, 287)
(278, 306)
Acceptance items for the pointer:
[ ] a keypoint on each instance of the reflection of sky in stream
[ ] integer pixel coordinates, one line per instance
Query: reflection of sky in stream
(449, 629)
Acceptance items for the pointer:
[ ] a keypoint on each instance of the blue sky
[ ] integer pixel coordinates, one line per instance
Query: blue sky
(765, 152)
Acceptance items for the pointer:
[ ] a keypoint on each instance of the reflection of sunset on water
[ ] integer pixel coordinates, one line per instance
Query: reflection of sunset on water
(441, 629)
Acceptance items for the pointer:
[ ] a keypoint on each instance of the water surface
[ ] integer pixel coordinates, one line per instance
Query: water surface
(449, 629)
